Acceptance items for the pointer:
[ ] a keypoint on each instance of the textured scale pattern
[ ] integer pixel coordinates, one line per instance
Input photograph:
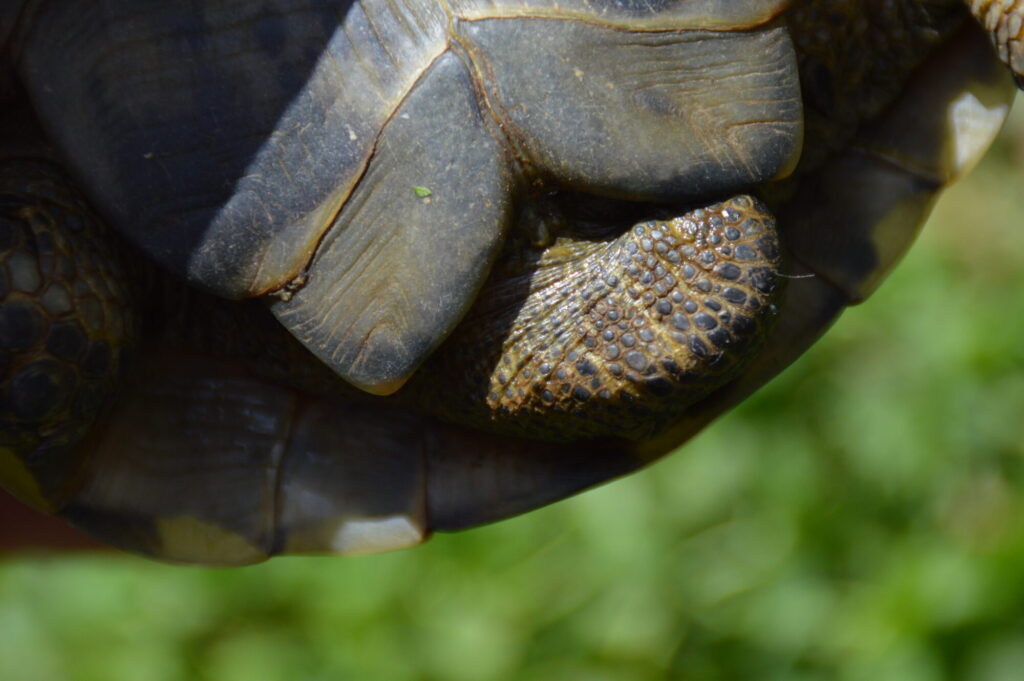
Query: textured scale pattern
(1004, 20)
(855, 57)
(65, 324)
(616, 336)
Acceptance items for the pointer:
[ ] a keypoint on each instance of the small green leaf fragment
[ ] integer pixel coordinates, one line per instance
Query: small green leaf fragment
(422, 192)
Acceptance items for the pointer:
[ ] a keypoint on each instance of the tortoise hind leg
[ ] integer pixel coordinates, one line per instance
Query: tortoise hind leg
(65, 321)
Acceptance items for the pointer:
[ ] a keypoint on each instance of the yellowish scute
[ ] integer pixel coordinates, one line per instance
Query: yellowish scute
(17, 480)
(189, 539)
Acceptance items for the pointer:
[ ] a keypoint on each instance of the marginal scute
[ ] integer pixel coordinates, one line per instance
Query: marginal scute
(358, 537)
(191, 441)
(17, 479)
(208, 460)
(852, 220)
(855, 57)
(868, 215)
(476, 478)
(360, 488)
(949, 113)
(186, 539)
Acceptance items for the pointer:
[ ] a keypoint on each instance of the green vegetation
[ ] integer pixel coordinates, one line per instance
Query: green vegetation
(861, 518)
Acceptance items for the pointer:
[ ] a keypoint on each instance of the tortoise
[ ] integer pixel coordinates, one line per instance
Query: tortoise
(308, 276)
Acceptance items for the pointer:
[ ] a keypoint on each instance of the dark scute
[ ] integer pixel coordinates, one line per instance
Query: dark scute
(659, 386)
(97, 361)
(166, 110)
(697, 346)
(38, 391)
(672, 367)
(763, 280)
(271, 35)
(704, 321)
(816, 82)
(580, 393)
(742, 325)
(636, 360)
(21, 325)
(734, 295)
(720, 337)
(66, 340)
(91, 398)
(45, 247)
(769, 247)
(118, 529)
(745, 252)
(8, 239)
(541, 473)
(729, 271)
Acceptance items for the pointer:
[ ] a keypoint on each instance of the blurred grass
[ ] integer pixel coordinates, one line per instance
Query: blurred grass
(859, 519)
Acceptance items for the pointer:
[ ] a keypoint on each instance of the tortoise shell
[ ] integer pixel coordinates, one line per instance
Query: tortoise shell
(575, 233)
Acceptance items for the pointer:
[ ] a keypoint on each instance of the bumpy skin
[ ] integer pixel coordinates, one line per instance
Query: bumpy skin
(613, 336)
(67, 322)
(230, 442)
(1004, 20)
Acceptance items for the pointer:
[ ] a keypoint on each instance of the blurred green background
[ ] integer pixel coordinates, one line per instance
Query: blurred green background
(861, 518)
